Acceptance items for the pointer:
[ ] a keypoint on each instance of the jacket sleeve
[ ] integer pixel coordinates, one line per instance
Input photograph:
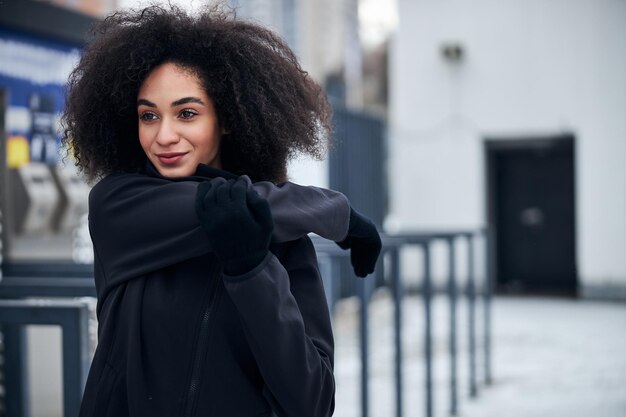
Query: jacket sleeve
(286, 321)
(299, 210)
(140, 224)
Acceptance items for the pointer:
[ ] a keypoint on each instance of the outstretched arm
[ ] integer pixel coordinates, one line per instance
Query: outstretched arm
(139, 224)
(300, 210)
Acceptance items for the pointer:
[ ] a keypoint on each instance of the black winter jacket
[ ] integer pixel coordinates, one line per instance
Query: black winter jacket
(179, 338)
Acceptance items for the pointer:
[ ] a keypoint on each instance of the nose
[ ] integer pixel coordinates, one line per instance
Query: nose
(167, 134)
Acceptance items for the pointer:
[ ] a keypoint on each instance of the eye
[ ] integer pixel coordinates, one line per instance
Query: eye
(148, 116)
(187, 114)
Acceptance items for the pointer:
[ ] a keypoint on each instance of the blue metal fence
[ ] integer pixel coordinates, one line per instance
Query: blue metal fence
(73, 318)
(392, 245)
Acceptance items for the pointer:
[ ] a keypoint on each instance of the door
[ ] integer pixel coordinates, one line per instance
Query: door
(532, 211)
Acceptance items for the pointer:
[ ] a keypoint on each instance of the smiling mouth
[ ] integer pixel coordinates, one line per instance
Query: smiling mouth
(169, 158)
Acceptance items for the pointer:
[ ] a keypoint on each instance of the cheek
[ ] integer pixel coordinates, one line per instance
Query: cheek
(211, 142)
(145, 137)
(210, 147)
(143, 141)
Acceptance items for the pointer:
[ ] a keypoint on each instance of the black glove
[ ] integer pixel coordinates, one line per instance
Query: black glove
(364, 243)
(237, 221)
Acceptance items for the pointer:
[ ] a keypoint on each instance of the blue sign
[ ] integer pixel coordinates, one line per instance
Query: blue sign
(34, 72)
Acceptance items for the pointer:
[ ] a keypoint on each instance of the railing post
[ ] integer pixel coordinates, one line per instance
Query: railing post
(471, 302)
(427, 295)
(489, 267)
(397, 302)
(363, 340)
(452, 341)
(75, 359)
(17, 395)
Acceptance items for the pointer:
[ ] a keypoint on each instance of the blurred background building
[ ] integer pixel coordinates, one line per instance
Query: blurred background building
(43, 202)
(94, 8)
(333, 40)
(505, 115)
(42, 198)
(511, 114)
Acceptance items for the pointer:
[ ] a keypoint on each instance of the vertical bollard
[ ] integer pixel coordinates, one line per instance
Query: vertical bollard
(17, 395)
(487, 295)
(397, 324)
(75, 360)
(427, 294)
(471, 298)
(453, 296)
(363, 296)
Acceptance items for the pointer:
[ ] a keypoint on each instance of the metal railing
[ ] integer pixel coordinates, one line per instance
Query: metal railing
(73, 318)
(72, 315)
(392, 245)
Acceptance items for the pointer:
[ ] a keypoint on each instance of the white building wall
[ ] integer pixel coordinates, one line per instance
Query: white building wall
(531, 67)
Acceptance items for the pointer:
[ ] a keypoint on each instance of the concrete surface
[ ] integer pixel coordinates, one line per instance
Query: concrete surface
(551, 357)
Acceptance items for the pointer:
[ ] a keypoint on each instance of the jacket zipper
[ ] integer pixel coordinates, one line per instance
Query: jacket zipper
(200, 353)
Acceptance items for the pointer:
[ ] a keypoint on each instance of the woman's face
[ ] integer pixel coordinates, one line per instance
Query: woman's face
(178, 126)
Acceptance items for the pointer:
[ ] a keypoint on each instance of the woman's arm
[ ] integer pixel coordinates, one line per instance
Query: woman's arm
(139, 224)
(298, 210)
(314, 211)
(286, 321)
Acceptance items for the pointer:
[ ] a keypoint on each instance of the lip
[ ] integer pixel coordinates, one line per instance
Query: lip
(169, 158)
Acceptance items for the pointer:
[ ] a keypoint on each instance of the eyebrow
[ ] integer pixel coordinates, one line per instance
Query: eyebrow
(184, 100)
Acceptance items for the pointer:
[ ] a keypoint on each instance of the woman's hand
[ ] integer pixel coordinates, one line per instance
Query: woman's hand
(237, 221)
(364, 243)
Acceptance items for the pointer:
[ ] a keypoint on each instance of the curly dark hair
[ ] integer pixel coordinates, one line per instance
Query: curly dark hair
(270, 107)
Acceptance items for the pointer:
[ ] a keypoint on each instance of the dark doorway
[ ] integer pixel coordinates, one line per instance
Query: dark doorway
(532, 211)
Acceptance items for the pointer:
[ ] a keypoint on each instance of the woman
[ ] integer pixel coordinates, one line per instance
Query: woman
(210, 301)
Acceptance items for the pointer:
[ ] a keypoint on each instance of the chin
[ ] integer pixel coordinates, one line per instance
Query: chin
(175, 172)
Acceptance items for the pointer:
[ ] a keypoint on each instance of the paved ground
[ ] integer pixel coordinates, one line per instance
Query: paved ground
(551, 357)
